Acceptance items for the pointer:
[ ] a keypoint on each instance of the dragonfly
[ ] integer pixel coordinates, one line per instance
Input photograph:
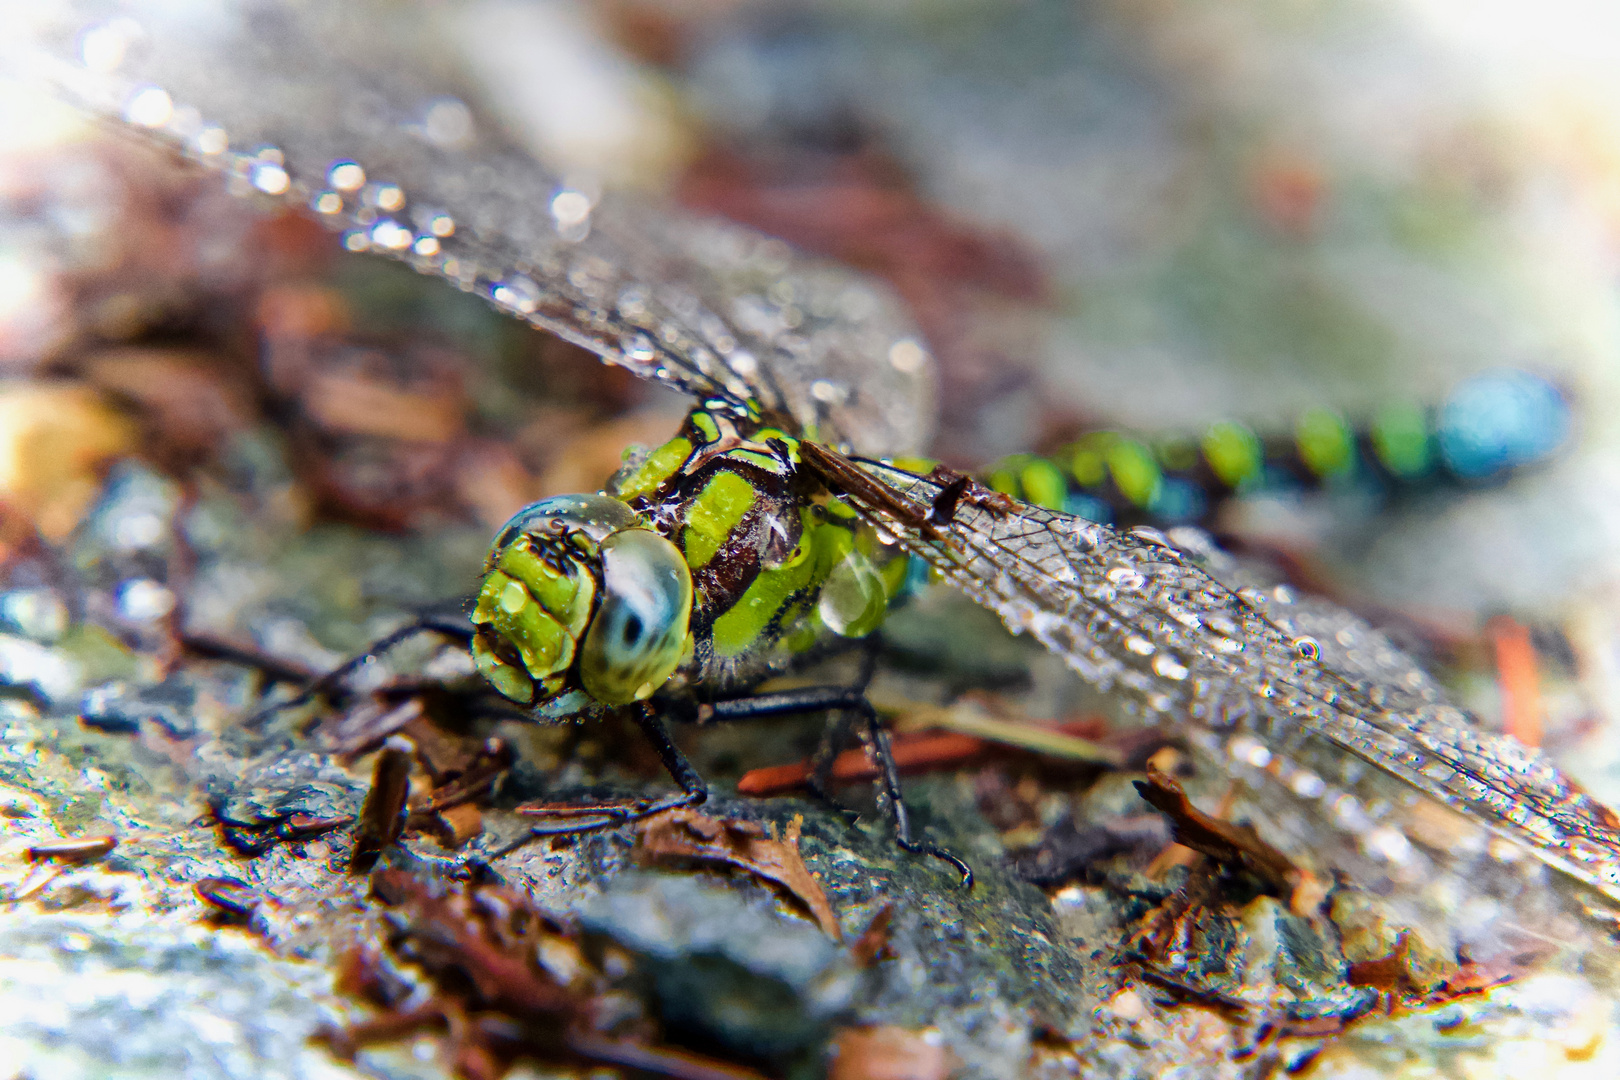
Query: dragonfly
(814, 395)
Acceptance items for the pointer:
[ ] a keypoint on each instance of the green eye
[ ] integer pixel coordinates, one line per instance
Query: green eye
(639, 632)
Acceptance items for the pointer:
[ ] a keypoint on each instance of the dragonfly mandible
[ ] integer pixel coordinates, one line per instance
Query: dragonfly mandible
(817, 362)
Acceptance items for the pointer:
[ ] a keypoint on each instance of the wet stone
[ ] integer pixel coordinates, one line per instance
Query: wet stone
(121, 709)
(724, 971)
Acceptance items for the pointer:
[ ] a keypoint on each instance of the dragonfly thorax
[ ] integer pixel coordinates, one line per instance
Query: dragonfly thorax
(714, 562)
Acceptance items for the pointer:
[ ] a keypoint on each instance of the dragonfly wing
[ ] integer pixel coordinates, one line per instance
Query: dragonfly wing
(274, 95)
(1137, 616)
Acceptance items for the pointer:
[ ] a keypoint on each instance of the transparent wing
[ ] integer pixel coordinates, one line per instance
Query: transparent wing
(1137, 616)
(274, 95)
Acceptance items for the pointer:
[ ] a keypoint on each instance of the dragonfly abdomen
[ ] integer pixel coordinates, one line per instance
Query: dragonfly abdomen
(1487, 428)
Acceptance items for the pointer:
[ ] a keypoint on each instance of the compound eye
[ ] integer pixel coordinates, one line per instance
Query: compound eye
(638, 635)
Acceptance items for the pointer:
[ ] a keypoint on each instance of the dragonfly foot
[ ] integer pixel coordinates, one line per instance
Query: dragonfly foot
(940, 853)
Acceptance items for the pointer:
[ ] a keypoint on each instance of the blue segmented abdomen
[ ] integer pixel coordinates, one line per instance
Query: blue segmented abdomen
(1488, 428)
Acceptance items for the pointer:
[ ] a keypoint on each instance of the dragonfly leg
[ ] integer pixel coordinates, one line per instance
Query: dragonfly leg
(458, 631)
(589, 818)
(852, 701)
(889, 778)
(836, 735)
(833, 740)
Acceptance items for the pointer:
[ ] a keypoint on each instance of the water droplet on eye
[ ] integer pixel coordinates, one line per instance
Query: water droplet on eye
(441, 225)
(426, 246)
(327, 202)
(1307, 648)
(1141, 646)
(346, 176)
(149, 107)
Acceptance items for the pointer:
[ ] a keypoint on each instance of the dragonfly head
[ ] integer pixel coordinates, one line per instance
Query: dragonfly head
(580, 596)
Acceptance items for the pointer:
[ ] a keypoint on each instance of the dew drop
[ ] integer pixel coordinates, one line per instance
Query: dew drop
(149, 107)
(270, 178)
(907, 356)
(389, 197)
(392, 236)
(103, 46)
(211, 141)
(1168, 667)
(517, 293)
(346, 176)
(828, 392)
(570, 209)
(448, 123)
(639, 349)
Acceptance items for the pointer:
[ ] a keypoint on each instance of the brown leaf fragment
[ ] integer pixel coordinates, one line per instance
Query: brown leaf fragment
(483, 940)
(493, 759)
(363, 973)
(229, 900)
(873, 944)
(1229, 843)
(683, 834)
(82, 850)
(1385, 973)
(382, 818)
(345, 1042)
(889, 1053)
(458, 824)
(352, 403)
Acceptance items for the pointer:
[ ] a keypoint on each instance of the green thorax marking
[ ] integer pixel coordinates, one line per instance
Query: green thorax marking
(776, 562)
